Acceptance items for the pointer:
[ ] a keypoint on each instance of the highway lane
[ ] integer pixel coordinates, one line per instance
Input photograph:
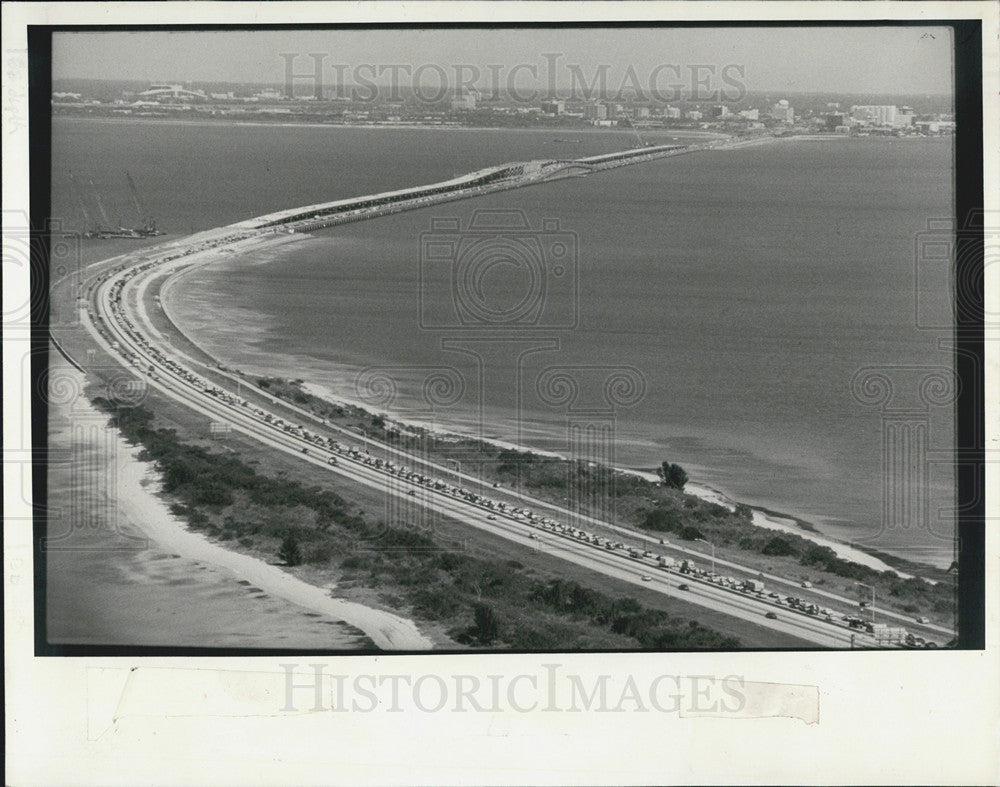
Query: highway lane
(587, 555)
(196, 250)
(521, 498)
(792, 587)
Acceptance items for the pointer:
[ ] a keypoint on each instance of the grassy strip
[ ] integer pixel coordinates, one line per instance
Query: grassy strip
(479, 602)
(649, 506)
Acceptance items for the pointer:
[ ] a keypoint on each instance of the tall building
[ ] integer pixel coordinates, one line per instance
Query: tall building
(595, 112)
(834, 120)
(720, 111)
(556, 107)
(673, 112)
(783, 112)
(694, 114)
(464, 102)
(874, 114)
(165, 92)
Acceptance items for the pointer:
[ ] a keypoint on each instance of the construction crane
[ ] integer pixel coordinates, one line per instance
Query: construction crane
(88, 228)
(638, 136)
(144, 220)
(100, 206)
(106, 230)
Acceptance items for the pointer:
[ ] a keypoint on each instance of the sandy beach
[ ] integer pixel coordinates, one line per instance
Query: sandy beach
(146, 545)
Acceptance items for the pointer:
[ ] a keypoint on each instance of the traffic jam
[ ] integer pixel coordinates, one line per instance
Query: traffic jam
(141, 354)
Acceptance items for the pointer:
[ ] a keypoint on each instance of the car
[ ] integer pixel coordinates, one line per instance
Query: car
(771, 616)
(683, 586)
(492, 518)
(412, 493)
(533, 537)
(923, 619)
(807, 584)
(646, 578)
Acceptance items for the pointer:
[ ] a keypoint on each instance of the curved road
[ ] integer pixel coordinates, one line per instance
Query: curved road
(115, 315)
(183, 384)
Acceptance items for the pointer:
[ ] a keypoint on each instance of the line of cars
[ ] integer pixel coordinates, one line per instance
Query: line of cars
(493, 507)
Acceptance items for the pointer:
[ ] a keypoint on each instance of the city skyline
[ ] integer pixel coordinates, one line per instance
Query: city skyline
(876, 60)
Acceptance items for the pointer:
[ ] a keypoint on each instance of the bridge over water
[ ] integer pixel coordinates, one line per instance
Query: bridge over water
(484, 181)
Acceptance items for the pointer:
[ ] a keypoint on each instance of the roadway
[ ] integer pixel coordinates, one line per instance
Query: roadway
(789, 586)
(182, 378)
(172, 382)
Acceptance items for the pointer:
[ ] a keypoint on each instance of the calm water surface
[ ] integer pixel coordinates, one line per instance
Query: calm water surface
(746, 287)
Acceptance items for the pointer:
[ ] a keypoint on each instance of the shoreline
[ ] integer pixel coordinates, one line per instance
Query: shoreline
(236, 242)
(147, 511)
(766, 518)
(389, 126)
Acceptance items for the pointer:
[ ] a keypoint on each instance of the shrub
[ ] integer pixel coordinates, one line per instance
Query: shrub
(487, 627)
(778, 546)
(662, 519)
(290, 551)
(673, 475)
(319, 553)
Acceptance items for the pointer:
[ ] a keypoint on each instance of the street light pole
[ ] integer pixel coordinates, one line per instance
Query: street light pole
(872, 589)
(705, 541)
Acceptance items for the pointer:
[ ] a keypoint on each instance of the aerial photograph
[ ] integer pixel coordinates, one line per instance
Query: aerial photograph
(504, 339)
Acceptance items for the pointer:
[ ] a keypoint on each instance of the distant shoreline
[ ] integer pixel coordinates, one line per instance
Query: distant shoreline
(200, 121)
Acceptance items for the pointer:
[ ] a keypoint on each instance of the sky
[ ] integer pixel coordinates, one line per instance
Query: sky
(832, 59)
